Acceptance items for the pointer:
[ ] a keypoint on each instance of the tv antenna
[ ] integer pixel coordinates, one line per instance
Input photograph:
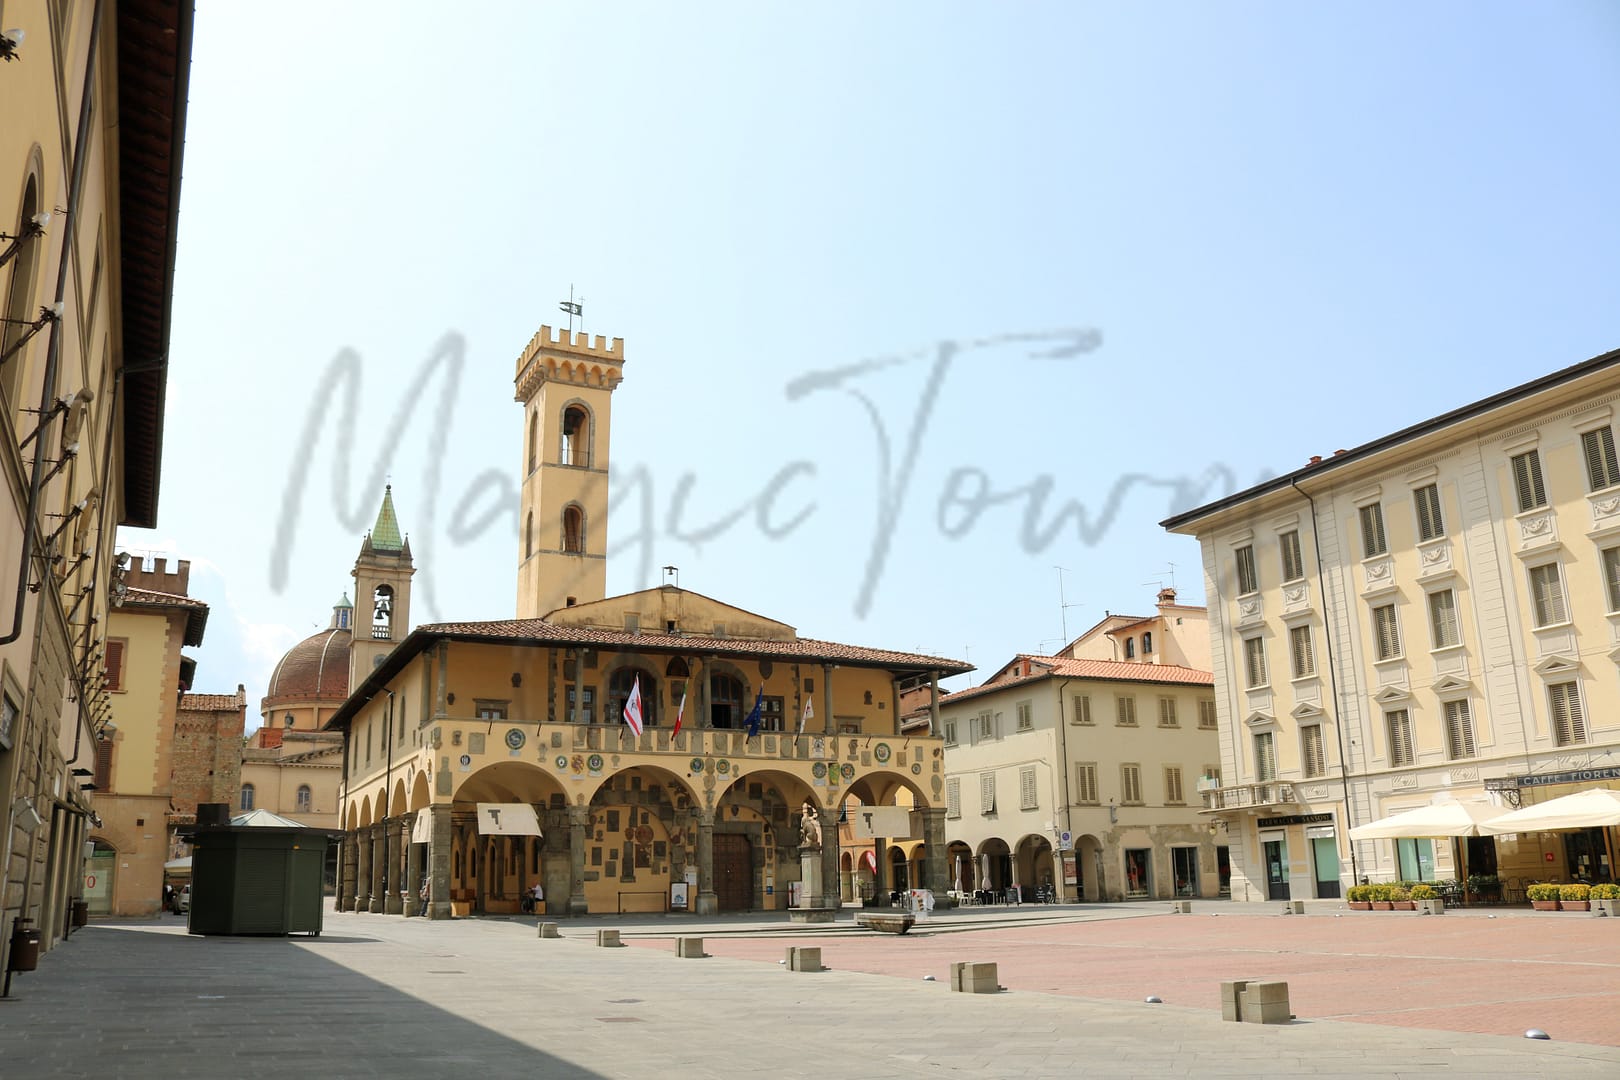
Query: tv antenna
(1063, 604)
(573, 307)
(1160, 581)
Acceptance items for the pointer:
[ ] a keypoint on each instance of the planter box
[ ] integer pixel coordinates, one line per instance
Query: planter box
(1404, 905)
(1360, 905)
(1383, 905)
(1574, 905)
(1544, 905)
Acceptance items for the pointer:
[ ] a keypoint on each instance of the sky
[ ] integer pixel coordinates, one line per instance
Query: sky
(931, 311)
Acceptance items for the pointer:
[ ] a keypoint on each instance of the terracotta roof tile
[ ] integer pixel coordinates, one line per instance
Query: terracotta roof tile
(1058, 667)
(152, 597)
(317, 668)
(213, 702)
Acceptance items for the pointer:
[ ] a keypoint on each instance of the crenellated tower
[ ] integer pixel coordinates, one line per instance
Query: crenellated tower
(382, 590)
(565, 382)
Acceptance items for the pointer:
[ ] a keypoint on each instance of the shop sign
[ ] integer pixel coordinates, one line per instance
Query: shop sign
(1574, 776)
(1293, 819)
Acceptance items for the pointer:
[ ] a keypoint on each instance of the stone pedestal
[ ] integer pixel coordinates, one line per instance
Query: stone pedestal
(812, 907)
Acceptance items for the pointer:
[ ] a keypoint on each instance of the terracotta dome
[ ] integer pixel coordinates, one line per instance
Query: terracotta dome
(317, 668)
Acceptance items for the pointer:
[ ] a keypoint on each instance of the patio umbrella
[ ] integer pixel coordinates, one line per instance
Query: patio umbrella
(959, 873)
(984, 870)
(1582, 810)
(1437, 819)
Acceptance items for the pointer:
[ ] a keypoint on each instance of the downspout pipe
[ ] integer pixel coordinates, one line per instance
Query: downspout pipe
(1333, 681)
(53, 353)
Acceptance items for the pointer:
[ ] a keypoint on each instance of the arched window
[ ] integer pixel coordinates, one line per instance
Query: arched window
(619, 693)
(247, 796)
(528, 535)
(20, 307)
(306, 798)
(1147, 643)
(725, 701)
(534, 441)
(573, 524)
(382, 613)
(576, 432)
(1130, 648)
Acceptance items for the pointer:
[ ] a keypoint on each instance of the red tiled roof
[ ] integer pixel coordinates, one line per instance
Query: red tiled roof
(196, 610)
(213, 702)
(1056, 667)
(315, 668)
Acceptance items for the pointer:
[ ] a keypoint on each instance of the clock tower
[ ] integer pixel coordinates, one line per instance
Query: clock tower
(382, 592)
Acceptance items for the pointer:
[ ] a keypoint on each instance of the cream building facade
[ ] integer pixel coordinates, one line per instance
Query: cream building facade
(482, 758)
(92, 121)
(1433, 615)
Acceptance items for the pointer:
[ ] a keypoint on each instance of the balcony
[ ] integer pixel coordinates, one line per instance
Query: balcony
(1271, 794)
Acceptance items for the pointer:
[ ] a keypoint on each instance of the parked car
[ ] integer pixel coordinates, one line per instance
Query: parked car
(182, 900)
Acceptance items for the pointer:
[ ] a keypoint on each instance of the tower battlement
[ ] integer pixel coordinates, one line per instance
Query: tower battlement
(564, 343)
(559, 355)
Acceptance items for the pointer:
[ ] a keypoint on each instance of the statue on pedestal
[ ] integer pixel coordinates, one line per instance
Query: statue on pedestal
(809, 826)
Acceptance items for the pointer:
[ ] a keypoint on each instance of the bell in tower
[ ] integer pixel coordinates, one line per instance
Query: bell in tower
(382, 591)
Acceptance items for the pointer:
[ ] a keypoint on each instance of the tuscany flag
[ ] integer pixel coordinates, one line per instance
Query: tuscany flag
(632, 708)
(809, 711)
(680, 714)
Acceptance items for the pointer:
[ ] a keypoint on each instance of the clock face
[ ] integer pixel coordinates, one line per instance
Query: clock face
(514, 738)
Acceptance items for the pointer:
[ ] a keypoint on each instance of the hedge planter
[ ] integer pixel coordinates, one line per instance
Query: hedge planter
(1361, 905)
(1544, 905)
(1575, 897)
(1383, 905)
(1574, 905)
(1543, 897)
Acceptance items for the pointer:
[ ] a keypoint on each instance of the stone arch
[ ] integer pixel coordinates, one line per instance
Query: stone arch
(576, 433)
(881, 787)
(351, 817)
(1089, 864)
(420, 798)
(995, 864)
(572, 523)
(488, 873)
(1033, 864)
(396, 805)
(641, 836)
(964, 873)
(534, 440)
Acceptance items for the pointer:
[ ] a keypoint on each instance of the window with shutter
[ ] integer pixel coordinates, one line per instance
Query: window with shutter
(113, 664)
(1082, 709)
(1547, 595)
(1167, 712)
(1172, 785)
(1459, 730)
(1443, 619)
(104, 763)
(1602, 469)
(1130, 776)
(950, 732)
(1430, 523)
(1611, 576)
(1026, 719)
(1372, 531)
(1254, 661)
(1125, 710)
(1569, 720)
(1527, 483)
(1206, 714)
(1312, 757)
(1293, 562)
(1387, 630)
(987, 793)
(1399, 723)
(953, 798)
(1085, 783)
(1265, 756)
(1026, 788)
(1302, 651)
(1248, 579)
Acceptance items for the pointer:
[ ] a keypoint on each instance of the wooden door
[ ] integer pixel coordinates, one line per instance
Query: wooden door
(733, 872)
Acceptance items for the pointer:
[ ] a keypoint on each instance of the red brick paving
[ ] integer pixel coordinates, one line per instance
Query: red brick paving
(1459, 973)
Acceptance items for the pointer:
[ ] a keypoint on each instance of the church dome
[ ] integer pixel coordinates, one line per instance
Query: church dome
(317, 668)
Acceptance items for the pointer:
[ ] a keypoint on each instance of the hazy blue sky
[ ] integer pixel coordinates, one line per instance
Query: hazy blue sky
(1291, 228)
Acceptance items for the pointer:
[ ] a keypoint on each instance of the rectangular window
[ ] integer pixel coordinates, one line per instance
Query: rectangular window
(1254, 661)
(1547, 595)
(1387, 629)
(1212, 773)
(1311, 756)
(113, 665)
(1172, 785)
(1026, 720)
(987, 793)
(1206, 714)
(1125, 711)
(1568, 718)
(490, 710)
(1399, 723)
(1430, 523)
(1167, 712)
(1248, 578)
(1130, 782)
(1527, 483)
(1293, 563)
(1611, 576)
(1602, 470)
(1443, 619)
(1372, 531)
(950, 732)
(1459, 730)
(953, 797)
(1027, 797)
(587, 716)
(1301, 651)
(1082, 709)
(1085, 783)
(1265, 755)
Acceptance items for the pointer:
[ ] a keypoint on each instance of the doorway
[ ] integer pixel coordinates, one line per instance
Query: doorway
(1276, 856)
(733, 872)
(1588, 857)
(1325, 858)
(1184, 865)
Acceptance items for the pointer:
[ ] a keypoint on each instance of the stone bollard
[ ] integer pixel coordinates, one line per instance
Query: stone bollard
(1266, 1003)
(608, 939)
(549, 929)
(803, 958)
(974, 977)
(1232, 999)
(1294, 907)
(691, 947)
(1181, 907)
(1431, 907)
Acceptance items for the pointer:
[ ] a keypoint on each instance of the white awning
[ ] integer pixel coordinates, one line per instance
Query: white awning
(422, 828)
(1437, 819)
(1592, 808)
(508, 819)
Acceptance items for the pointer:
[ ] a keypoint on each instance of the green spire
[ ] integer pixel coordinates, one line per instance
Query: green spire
(385, 534)
(344, 602)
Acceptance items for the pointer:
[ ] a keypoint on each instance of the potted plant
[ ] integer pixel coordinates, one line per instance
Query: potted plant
(1427, 899)
(1400, 897)
(1576, 897)
(1380, 898)
(1606, 899)
(1543, 896)
(1484, 888)
(1360, 897)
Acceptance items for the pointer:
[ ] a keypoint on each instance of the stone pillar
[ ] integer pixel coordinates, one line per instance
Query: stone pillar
(345, 873)
(362, 878)
(439, 863)
(411, 884)
(393, 830)
(882, 882)
(379, 866)
(936, 860)
(707, 902)
(831, 895)
(579, 820)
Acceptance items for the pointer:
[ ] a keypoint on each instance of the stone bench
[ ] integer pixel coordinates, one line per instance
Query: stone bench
(608, 939)
(1253, 1002)
(690, 947)
(549, 929)
(803, 958)
(974, 977)
(886, 923)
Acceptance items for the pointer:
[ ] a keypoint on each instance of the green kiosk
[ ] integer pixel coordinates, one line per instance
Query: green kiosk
(257, 873)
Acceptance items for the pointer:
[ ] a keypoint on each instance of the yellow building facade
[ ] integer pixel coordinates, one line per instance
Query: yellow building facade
(1434, 615)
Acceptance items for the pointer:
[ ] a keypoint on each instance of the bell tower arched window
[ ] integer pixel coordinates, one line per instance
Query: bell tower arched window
(576, 432)
(382, 613)
(528, 535)
(573, 530)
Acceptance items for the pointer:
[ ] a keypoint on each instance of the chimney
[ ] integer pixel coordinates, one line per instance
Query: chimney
(1167, 596)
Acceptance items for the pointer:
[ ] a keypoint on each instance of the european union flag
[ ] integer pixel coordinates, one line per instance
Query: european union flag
(753, 714)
